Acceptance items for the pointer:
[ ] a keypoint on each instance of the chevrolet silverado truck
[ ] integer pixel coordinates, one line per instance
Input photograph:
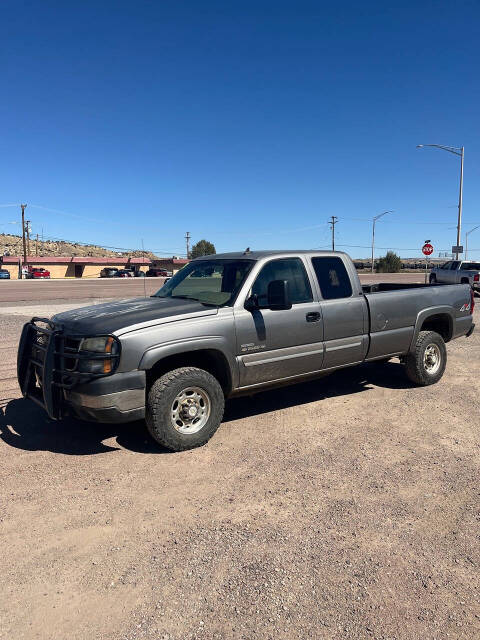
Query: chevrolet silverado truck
(257, 319)
(458, 272)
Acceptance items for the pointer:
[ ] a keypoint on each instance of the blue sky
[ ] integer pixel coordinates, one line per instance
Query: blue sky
(247, 123)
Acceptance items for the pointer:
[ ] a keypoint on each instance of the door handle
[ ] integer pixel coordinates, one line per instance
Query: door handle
(313, 316)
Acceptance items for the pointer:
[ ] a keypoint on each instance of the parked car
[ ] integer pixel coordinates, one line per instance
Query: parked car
(270, 318)
(37, 273)
(4, 274)
(156, 273)
(124, 273)
(135, 273)
(458, 271)
(108, 272)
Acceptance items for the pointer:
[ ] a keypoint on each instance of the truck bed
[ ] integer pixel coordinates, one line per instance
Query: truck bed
(395, 308)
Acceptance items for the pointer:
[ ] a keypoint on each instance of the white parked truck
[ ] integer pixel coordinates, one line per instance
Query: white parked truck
(457, 272)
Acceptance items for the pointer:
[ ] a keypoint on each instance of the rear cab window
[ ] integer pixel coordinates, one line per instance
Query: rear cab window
(332, 276)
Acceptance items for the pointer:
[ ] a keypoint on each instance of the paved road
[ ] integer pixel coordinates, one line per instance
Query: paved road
(37, 290)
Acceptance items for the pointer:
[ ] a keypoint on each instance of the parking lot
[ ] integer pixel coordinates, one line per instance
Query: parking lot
(347, 507)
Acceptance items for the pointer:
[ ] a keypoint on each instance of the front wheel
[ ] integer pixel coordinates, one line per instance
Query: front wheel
(184, 408)
(426, 364)
(433, 278)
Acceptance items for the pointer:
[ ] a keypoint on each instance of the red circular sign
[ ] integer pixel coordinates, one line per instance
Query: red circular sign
(427, 249)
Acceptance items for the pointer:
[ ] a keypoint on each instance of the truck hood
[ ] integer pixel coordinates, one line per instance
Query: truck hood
(109, 317)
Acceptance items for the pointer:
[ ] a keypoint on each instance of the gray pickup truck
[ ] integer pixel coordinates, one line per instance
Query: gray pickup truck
(230, 324)
(457, 272)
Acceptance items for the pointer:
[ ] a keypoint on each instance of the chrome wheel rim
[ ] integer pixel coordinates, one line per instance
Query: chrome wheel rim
(432, 359)
(190, 410)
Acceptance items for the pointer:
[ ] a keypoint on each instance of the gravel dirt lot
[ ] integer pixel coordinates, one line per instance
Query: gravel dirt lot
(345, 508)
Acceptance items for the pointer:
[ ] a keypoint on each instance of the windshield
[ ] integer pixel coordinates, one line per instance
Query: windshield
(471, 266)
(214, 282)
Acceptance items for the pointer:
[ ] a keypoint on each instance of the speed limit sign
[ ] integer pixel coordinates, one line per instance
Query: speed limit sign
(427, 249)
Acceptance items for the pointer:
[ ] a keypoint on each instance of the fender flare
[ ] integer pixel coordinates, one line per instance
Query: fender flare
(428, 313)
(212, 343)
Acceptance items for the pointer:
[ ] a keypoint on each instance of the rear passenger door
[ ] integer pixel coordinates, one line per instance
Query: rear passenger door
(272, 345)
(456, 271)
(450, 275)
(441, 274)
(345, 315)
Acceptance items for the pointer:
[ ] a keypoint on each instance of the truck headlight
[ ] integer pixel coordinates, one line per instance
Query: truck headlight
(107, 345)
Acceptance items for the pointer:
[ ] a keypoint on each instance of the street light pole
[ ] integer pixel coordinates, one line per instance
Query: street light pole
(373, 235)
(458, 151)
(466, 239)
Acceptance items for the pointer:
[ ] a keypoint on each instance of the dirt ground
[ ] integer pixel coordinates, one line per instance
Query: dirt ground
(347, 507)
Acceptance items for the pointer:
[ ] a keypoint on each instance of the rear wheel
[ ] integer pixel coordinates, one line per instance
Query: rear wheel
(426, 364)
(433, 278)
(184, 408)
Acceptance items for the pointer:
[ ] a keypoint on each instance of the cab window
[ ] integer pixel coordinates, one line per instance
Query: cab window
(290, 269)
(332, 277)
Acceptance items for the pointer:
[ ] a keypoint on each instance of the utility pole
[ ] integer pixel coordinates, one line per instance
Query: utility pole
(460, 199)
(187, 239)
(28, 229)
(24, 206)
(333, 222)
(36, 246)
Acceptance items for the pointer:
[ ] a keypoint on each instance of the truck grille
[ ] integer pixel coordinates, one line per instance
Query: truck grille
(48, 363)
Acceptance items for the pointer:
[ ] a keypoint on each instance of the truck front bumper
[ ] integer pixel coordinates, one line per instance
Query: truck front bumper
(117, 398)
(48, 374)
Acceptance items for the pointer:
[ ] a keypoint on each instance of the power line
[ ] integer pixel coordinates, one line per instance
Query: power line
(104, 246)
(361, 246)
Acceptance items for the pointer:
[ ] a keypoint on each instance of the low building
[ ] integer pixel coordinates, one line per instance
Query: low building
(169, 264)
(72, 267)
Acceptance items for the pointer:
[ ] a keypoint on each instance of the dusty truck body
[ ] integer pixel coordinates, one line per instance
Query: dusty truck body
(230, 324)
(457, 272)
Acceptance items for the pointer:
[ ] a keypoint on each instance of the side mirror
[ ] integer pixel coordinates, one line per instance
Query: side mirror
(251, 303)
(278, 296)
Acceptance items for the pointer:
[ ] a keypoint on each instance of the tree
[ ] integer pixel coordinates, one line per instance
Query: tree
(391, 263)
(202, 248)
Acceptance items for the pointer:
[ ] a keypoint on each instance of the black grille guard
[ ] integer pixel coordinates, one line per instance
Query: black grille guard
(45, 360)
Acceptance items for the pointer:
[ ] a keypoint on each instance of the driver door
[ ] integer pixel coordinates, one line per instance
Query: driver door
(272, 345)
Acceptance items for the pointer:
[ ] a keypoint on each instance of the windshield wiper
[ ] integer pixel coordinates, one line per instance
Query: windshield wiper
(212, 304)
